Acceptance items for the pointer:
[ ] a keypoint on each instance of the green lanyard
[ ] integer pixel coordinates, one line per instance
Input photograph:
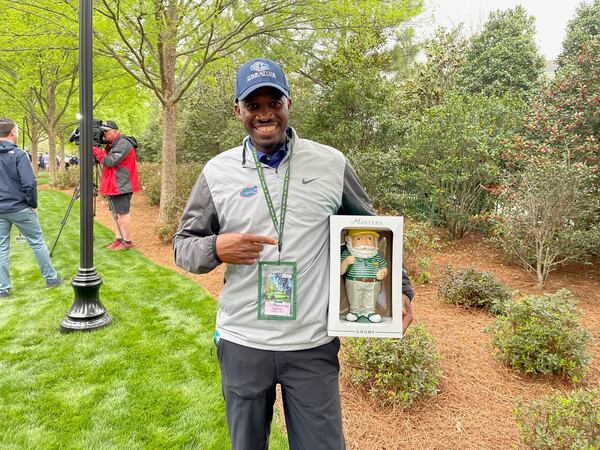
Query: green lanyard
(286, 183)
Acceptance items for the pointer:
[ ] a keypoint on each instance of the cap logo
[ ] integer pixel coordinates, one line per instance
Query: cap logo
(259, 66)
(260, 69)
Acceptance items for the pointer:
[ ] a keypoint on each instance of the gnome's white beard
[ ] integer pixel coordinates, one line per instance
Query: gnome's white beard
(363, 251)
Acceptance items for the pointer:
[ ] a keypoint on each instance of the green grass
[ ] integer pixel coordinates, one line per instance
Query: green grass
(148, 381)
(42, 178)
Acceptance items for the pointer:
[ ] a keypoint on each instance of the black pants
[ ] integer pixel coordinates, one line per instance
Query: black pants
(310, 389)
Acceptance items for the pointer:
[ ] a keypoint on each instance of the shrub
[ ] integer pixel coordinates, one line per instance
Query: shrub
(560, 422)
(167, 229)
(420, 241)
(395, 371)
(67, 179)
(542, 334)
(543, 223)
(473, 288)
(377, 170)
(149, 175)
(187, 174)
(452, 157)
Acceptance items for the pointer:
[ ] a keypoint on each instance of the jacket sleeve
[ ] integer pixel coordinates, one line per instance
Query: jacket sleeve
(99, 154)
(355, 201)
(115, 154)
(195, 239)
(28, 181)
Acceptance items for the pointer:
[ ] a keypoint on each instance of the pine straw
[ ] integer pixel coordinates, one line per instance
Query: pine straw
(477, 393)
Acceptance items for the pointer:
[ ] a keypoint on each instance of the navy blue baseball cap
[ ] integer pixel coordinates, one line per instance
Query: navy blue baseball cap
(257, 73)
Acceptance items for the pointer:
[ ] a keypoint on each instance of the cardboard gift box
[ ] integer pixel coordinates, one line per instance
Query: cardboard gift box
(384, 319)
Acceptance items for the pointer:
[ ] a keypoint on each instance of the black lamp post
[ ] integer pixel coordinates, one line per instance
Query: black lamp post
(86, 313)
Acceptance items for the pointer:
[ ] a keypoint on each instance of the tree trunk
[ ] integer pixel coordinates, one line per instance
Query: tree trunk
(61, 138)
(51, 121)
(34, 156)
(540, 273)
(168, 175)
(167, 48)
(34, 137)
(52, 153)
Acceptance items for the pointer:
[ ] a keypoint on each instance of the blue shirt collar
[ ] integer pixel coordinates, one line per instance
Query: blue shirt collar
(274, 159)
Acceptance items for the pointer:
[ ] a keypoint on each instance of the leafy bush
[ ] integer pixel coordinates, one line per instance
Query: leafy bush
(560, 422)
(542, 334)
(187, 174)
(67, 179)
(149, 175)
(471, 287)
(167, 229)
(377, 170)
(395, 371)
(546, 216)
(452, 158)
(420, 241)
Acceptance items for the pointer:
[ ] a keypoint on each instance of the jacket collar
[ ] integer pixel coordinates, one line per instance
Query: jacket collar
(6, 146)
(248, 161)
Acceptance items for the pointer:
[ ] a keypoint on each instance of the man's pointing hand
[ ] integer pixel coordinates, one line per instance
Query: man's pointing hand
(241, 248)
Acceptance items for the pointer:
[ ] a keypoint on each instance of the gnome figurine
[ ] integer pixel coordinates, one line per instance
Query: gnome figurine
(363, 267)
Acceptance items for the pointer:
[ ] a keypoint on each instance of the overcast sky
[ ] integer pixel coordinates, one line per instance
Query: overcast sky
(551, 17)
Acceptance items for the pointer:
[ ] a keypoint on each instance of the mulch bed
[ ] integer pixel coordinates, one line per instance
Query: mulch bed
(473, 408)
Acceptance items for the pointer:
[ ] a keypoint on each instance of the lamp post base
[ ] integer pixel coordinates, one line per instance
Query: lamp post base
(87, 312)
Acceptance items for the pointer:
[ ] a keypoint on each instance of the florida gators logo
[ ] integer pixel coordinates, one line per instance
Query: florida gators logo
(249, 191)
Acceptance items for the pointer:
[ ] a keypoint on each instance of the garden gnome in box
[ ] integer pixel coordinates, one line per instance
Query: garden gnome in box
(363, 267)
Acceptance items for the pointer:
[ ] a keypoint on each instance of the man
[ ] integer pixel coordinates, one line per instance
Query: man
(270, 199)
(119, 181)
(18, 201)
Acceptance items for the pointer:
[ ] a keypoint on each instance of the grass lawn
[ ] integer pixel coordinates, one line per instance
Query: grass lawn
(148, 381)
(42, 178)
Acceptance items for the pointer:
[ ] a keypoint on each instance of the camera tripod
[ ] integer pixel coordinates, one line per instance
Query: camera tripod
(75, 196)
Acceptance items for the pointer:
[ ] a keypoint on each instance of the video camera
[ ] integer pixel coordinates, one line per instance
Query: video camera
(97, 134)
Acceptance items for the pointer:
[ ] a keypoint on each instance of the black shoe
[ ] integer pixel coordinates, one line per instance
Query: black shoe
(54, 283)
(4, 294)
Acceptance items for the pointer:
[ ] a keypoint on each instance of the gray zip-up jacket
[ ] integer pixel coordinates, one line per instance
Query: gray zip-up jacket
(228, 198)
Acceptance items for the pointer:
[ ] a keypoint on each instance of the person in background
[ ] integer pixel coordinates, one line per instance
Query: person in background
(18, 202)
(119, 181)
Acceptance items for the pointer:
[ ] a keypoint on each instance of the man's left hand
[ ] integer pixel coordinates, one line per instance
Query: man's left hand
(407, 314)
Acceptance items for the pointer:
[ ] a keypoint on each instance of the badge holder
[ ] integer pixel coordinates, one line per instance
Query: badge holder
(276, 290)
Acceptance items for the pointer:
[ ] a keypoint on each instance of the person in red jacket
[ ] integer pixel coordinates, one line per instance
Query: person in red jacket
(119, 181)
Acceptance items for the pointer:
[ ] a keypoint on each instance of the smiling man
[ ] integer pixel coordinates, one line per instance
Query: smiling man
(263, 208)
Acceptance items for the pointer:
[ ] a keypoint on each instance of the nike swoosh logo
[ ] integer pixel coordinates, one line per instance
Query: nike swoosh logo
(305, 181)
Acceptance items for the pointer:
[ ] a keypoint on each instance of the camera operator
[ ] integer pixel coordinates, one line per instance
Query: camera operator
(119, 180)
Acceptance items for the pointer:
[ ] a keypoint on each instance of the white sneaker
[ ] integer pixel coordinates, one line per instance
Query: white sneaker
(374, 318)
(351, 317)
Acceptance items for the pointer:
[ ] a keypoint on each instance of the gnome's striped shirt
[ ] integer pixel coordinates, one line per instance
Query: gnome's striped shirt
(364, 267)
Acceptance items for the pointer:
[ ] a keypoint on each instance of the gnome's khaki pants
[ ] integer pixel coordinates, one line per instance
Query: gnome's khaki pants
(362, 296)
